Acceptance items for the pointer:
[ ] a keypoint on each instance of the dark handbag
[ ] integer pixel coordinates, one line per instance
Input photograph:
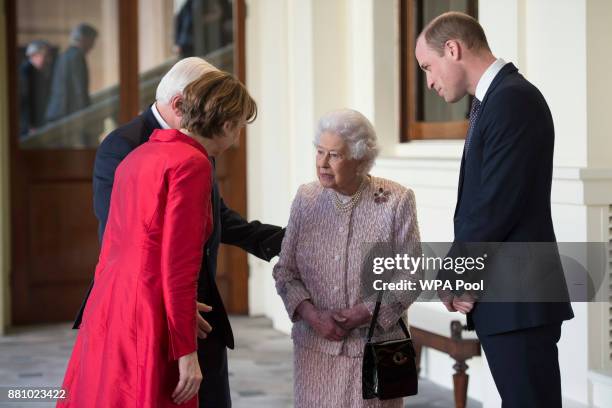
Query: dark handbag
(389, 367)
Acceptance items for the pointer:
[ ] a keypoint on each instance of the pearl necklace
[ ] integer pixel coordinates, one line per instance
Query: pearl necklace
(347, 206)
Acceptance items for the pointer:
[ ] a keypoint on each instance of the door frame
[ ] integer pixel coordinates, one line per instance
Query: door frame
(129, 107)
(236, 259)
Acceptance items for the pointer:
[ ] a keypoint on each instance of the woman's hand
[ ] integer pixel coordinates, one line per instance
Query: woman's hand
(352, 317)
(325, 325)
(190, 378)
(321, 321)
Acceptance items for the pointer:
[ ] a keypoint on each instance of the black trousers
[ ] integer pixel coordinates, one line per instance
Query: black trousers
(525, 366)
(214, 389)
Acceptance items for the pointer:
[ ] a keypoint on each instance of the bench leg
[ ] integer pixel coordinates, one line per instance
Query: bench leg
(460, 383)
(418, 348)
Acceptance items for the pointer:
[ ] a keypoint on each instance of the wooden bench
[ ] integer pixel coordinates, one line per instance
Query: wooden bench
(426, 331)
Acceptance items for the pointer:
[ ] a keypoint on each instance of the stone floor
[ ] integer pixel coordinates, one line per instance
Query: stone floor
(260, 366)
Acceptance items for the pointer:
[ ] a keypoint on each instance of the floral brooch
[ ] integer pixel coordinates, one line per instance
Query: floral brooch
(381, 196)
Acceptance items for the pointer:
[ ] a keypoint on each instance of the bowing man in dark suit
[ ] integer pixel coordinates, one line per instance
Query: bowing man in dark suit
(261, 240)
(504, 196)
(34, 85)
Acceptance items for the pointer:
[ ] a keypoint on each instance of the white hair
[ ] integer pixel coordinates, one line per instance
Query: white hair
(180, 75)
(36, 46)
(356, 131)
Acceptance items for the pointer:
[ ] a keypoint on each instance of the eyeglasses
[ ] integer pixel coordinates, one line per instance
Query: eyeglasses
(331, 155)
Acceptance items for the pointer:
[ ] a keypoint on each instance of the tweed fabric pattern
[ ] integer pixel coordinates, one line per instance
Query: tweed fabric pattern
(331, 382)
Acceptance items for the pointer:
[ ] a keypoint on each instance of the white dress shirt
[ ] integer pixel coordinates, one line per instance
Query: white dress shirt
(487, 78)
(159, 118)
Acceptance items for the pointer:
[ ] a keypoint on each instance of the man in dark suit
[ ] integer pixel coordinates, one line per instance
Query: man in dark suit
(261, 240)
(183, 30)
(70, 85)
(34, 85)
(504, 196)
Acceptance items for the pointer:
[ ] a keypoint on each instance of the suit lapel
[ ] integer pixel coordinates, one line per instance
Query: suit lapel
(460, 188)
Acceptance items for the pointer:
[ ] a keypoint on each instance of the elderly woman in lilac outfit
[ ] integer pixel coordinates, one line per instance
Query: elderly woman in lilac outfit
(318, 275)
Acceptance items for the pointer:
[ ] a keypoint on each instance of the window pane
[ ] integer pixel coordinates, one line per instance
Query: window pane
(203, 27)
(432, 108)
(155, 47)
(184, 28)
(68, 72)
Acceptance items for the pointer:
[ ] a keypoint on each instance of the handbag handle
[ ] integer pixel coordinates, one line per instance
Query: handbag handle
(401, 323)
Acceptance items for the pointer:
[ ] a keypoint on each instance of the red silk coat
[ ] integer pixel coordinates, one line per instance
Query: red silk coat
(141, 314)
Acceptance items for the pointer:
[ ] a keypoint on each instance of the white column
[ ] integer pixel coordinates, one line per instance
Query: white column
(268, 139)
(504, 33)
(556, 63)
(599, 82)
(296, 70)
(360, 55)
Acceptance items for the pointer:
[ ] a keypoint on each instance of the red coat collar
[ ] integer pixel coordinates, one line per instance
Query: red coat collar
(174, 135)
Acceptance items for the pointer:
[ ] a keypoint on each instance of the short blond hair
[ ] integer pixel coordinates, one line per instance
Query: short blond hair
(455, 25)
(214, 99)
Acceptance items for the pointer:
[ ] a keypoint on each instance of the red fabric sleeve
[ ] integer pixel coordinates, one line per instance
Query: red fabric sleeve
(187, 224)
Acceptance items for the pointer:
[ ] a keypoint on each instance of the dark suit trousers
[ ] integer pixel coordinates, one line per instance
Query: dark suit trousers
(525, 366)
(214, 389)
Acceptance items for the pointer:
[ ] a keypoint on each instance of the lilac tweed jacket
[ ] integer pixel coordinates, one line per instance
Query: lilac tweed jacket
(322, 255)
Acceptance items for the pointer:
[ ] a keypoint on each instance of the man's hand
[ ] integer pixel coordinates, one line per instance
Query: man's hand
(352, 317)
(463, 303)
(203, 326)
(321, 321)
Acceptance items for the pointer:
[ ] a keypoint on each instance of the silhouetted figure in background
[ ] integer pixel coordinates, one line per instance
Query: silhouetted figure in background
(227, 22)
(34, 84)
(198, 28)
(70, 86)
(183, 30)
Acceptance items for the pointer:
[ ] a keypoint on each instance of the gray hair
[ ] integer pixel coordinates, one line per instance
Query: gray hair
(81, 31)
(180, 75)
(36, 46)
(356, 131)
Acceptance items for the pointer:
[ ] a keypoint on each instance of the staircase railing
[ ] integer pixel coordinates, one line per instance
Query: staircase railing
(83, 128)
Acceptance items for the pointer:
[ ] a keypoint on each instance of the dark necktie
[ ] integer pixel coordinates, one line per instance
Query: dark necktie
(474, 112)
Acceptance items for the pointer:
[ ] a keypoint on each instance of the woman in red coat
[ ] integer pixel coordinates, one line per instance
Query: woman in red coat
(137, 342)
